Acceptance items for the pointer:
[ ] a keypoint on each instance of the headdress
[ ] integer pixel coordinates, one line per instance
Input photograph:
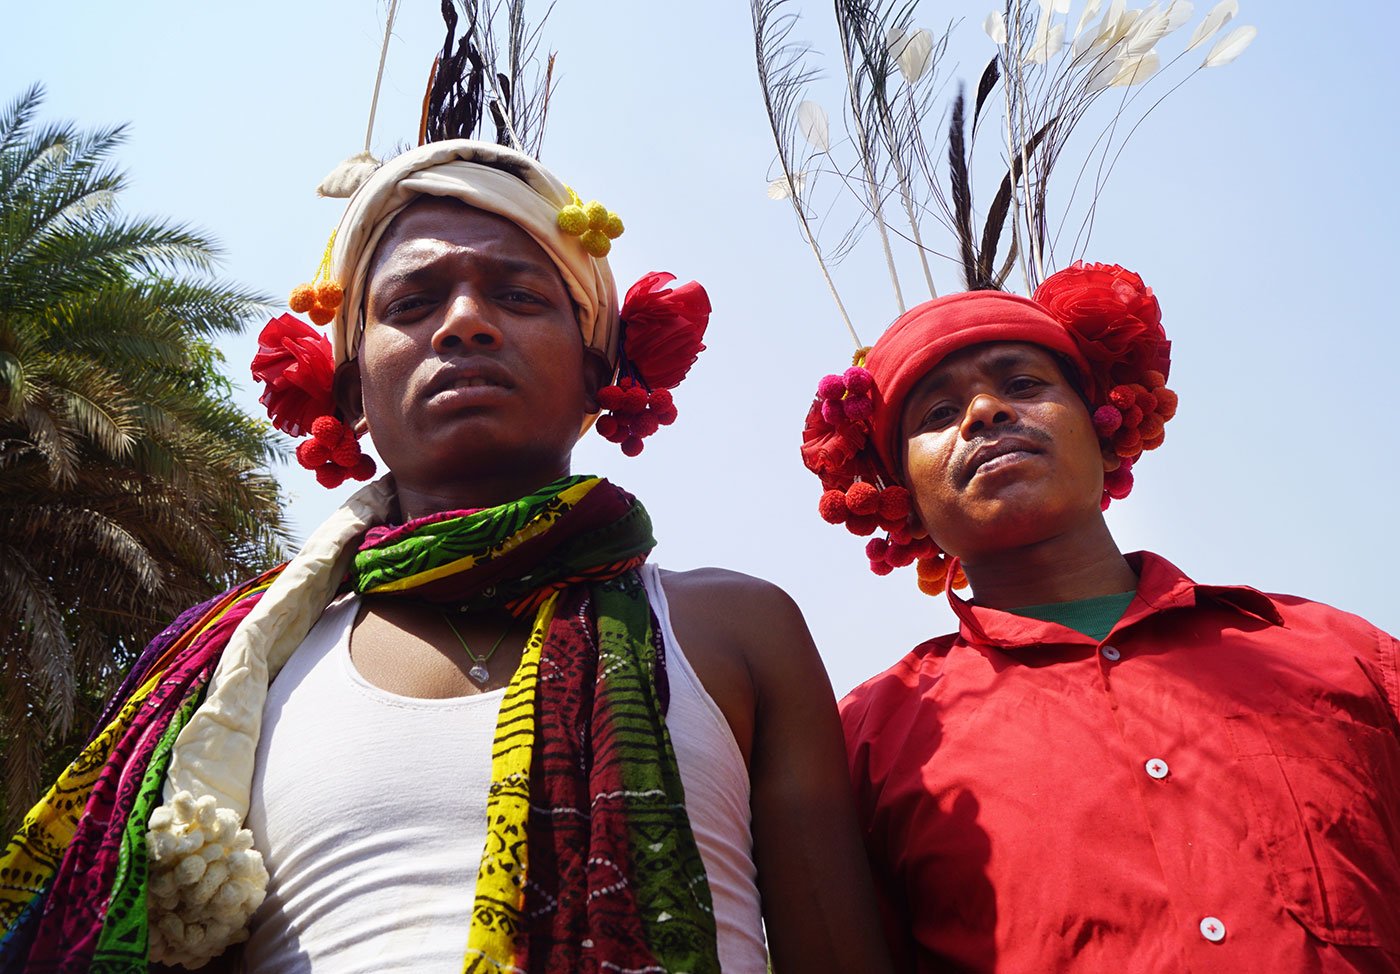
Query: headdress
(1051, 68)
(651, 341)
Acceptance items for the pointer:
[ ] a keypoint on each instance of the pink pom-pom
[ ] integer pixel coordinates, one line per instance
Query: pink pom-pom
(1107, 419)
(833, 412)
(831, 387)
(881, 567)
(858, 381)
(900, 534)
(857, 410)
(876, 548)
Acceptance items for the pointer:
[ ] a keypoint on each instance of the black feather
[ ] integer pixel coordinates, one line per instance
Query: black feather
(990, 77)
(455, 99)
(1001, 205)
(960, 182)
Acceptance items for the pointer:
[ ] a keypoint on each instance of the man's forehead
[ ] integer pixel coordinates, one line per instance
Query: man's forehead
(416, 233)
(983, 357)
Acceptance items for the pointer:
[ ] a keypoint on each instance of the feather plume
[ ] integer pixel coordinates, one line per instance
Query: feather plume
(960, 183)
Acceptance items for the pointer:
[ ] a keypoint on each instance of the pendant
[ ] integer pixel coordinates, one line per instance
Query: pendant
(479, 674)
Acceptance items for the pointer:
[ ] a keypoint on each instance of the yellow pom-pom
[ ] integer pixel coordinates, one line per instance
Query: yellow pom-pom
(302, 298)
(329, 295)
(321, 315)
(596, 243)
(597, 215)
(613, 228)
(573, 220)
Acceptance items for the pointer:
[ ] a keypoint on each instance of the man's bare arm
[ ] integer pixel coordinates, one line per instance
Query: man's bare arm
(818, 900)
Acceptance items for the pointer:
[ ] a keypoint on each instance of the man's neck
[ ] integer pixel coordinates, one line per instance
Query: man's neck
(1080, 565)
(420, 500)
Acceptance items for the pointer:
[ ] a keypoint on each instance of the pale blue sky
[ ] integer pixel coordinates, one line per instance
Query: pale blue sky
(1258, 203)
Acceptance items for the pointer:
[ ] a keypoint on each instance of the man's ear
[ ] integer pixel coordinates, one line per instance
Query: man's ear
(348, 393)
(1111, 461)
(597, 372)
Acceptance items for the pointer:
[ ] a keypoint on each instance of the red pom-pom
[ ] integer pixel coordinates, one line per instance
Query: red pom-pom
(881, 567)
(610, 397)
(1123, 397)
(294, 362)
(1153, 380)
(634, 400)
(663, 327)
(863, 498)
(832, 507)
(1132, 418)
(660, 399)
(632, 446)
(862, 524)
(364, 467)
(894, 503)
(665, 415)
(645, 424)
(858, 382)
(924, 548)
(876, 548)
(606, 426)
(900, 555)
(831, 387)
(1150, 427)
(312, 454)
(901, 534)
(330, 476)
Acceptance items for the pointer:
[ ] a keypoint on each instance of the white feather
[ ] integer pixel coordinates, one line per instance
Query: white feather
(995, 26)
(1106, 68)
(1178, 14)
(1105, 35)
(1048, 40)
(781, 189)
(1090, 9)
(1230, 46)
(912, 51)
(1055, 6)
(1218, 17)
(1137, 69)
(812, 121)
(1147, 30)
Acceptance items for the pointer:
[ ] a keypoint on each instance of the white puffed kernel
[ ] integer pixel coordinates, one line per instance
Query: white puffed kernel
(190, 870)
(161, 818)
(183, 806)
(172, 927)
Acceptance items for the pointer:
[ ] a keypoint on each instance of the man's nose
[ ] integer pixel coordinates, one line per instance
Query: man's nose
(467, 321)
(986, 410)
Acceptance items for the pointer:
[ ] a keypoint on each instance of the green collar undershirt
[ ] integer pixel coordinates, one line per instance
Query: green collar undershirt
(1094, 617)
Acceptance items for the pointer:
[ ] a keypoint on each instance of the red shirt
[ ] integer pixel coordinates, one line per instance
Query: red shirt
(1213, 787)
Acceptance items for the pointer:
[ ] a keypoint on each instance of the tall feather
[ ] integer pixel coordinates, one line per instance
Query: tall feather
(960, 185)
(1001, 206)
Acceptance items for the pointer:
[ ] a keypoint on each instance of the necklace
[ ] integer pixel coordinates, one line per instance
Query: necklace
(479, 673)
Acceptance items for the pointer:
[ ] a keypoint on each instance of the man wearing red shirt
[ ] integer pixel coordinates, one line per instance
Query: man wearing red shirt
(1109, 767)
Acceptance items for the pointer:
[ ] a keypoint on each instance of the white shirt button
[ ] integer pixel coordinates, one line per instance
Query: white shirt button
(1157, 768)
(1110, 653)
(1212, 929)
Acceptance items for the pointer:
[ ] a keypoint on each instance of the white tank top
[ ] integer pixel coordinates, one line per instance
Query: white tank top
(370, 811)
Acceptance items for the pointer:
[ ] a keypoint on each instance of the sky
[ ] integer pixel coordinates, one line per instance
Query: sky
(1257, 201)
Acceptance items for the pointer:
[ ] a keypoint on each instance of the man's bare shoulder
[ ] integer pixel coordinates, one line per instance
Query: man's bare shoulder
(738, 602)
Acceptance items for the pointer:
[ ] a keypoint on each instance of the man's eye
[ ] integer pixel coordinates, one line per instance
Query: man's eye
(1023, 383)
(940, 416)
(521, 296)
(403, 306)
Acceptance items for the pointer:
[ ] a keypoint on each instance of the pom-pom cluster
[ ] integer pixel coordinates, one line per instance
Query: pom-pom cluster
(319, 302)
(632, 413)
(1132, 421)
(334, 453)
(594, 224)
(206, 880)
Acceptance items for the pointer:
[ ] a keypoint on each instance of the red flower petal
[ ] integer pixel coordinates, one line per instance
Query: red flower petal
(663, 328)
(294, 362)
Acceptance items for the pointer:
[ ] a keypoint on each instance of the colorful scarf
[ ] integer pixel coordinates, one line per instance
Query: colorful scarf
(589, 863)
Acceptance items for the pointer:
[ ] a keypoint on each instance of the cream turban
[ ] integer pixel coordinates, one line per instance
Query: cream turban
(491, 178)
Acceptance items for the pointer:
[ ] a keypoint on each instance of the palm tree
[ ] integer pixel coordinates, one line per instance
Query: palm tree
(130, 486)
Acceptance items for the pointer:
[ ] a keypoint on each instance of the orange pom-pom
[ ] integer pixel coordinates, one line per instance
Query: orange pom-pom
(863, 498)
(1153, 379)
(1150, 427)
(1166, 403)
(329, 295)
(933, 575)
(1152, 442)
(302, 299)
(320, 315)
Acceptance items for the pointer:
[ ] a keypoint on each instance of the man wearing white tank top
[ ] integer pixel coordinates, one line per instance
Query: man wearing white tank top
(468, 726)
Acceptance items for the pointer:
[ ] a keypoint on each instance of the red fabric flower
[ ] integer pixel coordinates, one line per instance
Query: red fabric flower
(294, 361)
(1112, 314)
(663, 328)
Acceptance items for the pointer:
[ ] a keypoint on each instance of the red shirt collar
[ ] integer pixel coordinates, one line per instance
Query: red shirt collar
(1161, 586)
